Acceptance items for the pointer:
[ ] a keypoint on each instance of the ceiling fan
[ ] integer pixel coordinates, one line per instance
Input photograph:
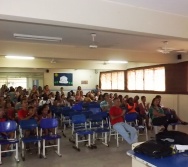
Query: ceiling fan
(167, 50)
(93, 45)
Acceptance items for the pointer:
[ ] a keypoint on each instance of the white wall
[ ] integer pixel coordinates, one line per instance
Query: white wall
(78, 76)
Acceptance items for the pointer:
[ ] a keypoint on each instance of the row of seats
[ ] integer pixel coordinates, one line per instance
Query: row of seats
(29, 126)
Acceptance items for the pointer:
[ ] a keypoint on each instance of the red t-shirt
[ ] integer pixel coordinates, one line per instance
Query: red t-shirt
(22, 114)
(115, 111)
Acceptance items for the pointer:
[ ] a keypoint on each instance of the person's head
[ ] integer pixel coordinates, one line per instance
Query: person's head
(100, 98)
(97, 86)
(24, 103)
(45, 109)
(117, 102)
(31, 110)
(34, 87)
(130, 101)
(106, 96)
(120, 98)
(155, 102)
(158, 97)
(79, 88)
(8, 104)
(143, 99)
(115, 95)
(61, 88)
(136, 98)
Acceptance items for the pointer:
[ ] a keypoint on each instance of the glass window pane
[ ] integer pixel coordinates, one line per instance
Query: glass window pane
(115, 80)
(121, 81)
(148, 79)
(159, 79)
(139, 80)
(131, 78)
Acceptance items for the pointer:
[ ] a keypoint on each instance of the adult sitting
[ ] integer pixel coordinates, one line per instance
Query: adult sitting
(143, 108)
(128, 132)
(170, 113)
(107, 103)
(158, 116)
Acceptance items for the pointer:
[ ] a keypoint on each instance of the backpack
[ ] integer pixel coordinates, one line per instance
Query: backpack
(153, 149)
(172, 137)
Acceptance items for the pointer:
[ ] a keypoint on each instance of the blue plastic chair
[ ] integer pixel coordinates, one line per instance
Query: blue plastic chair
(30, 125)
(97, 126)
(6, 127)
(81, 131)
(50, 123)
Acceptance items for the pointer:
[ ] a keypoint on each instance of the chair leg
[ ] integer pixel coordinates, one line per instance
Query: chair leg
(39, 147)
(44, 147)
(105, 139)
(16, 156)
(117, 139)
(23, 151)
(58, 148)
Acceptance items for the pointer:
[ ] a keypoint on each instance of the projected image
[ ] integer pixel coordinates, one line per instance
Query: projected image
(63, 79)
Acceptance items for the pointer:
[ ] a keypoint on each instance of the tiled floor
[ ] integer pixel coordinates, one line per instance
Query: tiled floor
(101, 157)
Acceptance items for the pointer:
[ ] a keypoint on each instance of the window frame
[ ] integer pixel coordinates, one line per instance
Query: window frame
(112, 90)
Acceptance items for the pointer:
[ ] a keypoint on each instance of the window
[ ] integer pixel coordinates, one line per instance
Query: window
(15, 82)
(112, 80)
(146, 79)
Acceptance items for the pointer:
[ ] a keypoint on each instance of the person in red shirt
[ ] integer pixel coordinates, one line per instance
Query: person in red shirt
(23, 114)
(128, 132)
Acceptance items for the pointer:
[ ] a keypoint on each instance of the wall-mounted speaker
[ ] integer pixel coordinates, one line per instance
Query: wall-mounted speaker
(47, 70)
(179, 57)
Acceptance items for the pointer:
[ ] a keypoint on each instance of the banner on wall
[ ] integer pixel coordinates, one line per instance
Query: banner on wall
(63, 79)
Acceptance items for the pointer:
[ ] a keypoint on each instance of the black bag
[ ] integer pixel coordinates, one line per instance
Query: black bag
(172, 137)
(153, 149)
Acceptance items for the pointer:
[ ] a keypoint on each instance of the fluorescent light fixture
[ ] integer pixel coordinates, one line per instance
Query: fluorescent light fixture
(93, 46)
(117, 62)
(36, 37)
(19, 57)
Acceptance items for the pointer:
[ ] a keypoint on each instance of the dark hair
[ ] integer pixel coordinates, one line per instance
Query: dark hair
(142, 97)
(105, 95)
(152, 103)
(158, 96)
(30, 107)
(116, 98)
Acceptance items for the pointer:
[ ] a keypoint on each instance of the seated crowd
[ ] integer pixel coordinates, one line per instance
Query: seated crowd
(19, 104)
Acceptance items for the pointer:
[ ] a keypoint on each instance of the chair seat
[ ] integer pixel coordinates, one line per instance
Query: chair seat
(101, 130)
(31, 139)
(84, 132)
(8, 141)
(51, 137)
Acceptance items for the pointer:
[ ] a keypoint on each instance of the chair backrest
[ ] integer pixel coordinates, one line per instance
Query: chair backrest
(71, 114)
(78, 119)
(131, 117)
(8, 126)
(96, 118)
(95, 110)
(28, 124)
(48, 123)
(77, 107)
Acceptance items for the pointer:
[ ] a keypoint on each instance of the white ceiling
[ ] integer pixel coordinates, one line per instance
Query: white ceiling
(110, 40)
(177, 7)
(82, 37)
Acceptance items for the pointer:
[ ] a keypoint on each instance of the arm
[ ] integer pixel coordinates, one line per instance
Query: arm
(112, 116)
(157, 114)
